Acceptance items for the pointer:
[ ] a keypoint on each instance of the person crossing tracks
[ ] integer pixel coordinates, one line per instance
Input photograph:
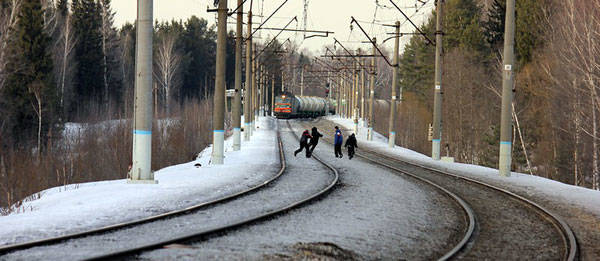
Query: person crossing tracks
(304, 144)
(315, 139)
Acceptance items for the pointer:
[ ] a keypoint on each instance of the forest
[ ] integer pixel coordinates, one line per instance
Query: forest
(67, 88)
(555, 122)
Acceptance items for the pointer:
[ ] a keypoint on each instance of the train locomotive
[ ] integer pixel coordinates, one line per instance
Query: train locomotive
(288, 105)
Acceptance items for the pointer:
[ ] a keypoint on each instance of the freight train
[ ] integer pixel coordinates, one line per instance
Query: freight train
(288, 105)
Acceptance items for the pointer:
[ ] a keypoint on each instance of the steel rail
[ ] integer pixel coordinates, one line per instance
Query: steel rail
(20, 246)
(197, 234)
(465, 207)
(569, 239)
(471, 217)
(568, 236)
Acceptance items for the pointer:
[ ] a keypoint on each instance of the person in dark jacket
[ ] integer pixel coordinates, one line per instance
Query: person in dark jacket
(315, 139)
(351, 144)
(304, 144)
(337, 142)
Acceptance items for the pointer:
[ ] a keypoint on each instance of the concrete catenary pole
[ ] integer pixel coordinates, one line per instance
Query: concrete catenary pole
(372, 92)
(263, 91)
(248, 83)
(362, 95)
(392, 121)
(339, 96)
(355, 109)
(437, 100)
(272, 95)
(507, 91)
(253, 92)
(302, 82)
(141, 168)
(237, 99)
(219, 96)
(345, 98)
(282, 81)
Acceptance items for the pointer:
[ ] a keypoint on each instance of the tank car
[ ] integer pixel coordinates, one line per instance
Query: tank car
(288, 106)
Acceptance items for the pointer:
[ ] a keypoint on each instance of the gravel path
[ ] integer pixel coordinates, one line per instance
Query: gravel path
(507, 228)
(372, 215)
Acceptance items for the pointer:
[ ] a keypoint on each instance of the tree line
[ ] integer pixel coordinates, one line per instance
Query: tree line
(555, 119)
(63, 61)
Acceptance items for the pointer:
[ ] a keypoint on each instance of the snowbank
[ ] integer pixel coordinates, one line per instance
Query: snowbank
(90, 205)
(580, 197)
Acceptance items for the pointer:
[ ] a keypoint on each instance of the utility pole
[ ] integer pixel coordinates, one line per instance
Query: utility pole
(392, 122)
(263, 101)
(219, 95)
(141, 168)
(507, 91)
(437, 105)
(372, 92)
(282, 81)
(254, 91)
(261, 90)
(256, 88)
(355, 96)
(362, 94)
(248, 83)
(329, 93)
(302, 82)
(273, 95)
(339, 96)
(345, 99)
(237, 99)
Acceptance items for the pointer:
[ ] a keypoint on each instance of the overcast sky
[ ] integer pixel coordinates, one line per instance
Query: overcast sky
(330, 15)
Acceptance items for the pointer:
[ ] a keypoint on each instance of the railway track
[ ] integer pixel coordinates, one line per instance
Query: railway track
(508, 226)
(111, 234)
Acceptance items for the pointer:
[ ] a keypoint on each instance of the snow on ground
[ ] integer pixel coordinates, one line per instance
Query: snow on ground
(79, 207)
(373, 213)
(534, 185)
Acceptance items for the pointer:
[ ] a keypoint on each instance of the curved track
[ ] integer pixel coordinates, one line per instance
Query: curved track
(248, 220)
(53, 240)
(472, 246)
(199, 233)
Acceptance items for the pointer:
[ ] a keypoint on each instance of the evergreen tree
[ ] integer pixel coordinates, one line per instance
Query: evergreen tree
(29, 95)
(200, 46)
(494, 26)
(529, 27)
(89, 79)
(112, 74)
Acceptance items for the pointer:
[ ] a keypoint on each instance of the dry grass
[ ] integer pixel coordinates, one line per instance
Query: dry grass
(100, 151)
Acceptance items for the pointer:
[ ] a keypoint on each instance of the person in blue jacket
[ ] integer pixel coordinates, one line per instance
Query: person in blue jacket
(337, 142)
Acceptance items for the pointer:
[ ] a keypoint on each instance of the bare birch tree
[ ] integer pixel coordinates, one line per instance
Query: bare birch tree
(63, 56)
(168, 62)
(8, 20)
(577, 49)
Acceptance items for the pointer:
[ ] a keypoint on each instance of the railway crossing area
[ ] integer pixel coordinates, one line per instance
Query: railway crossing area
(384, 204)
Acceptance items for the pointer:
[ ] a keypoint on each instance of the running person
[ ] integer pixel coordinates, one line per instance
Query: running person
(315, 139)
(304, 144)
